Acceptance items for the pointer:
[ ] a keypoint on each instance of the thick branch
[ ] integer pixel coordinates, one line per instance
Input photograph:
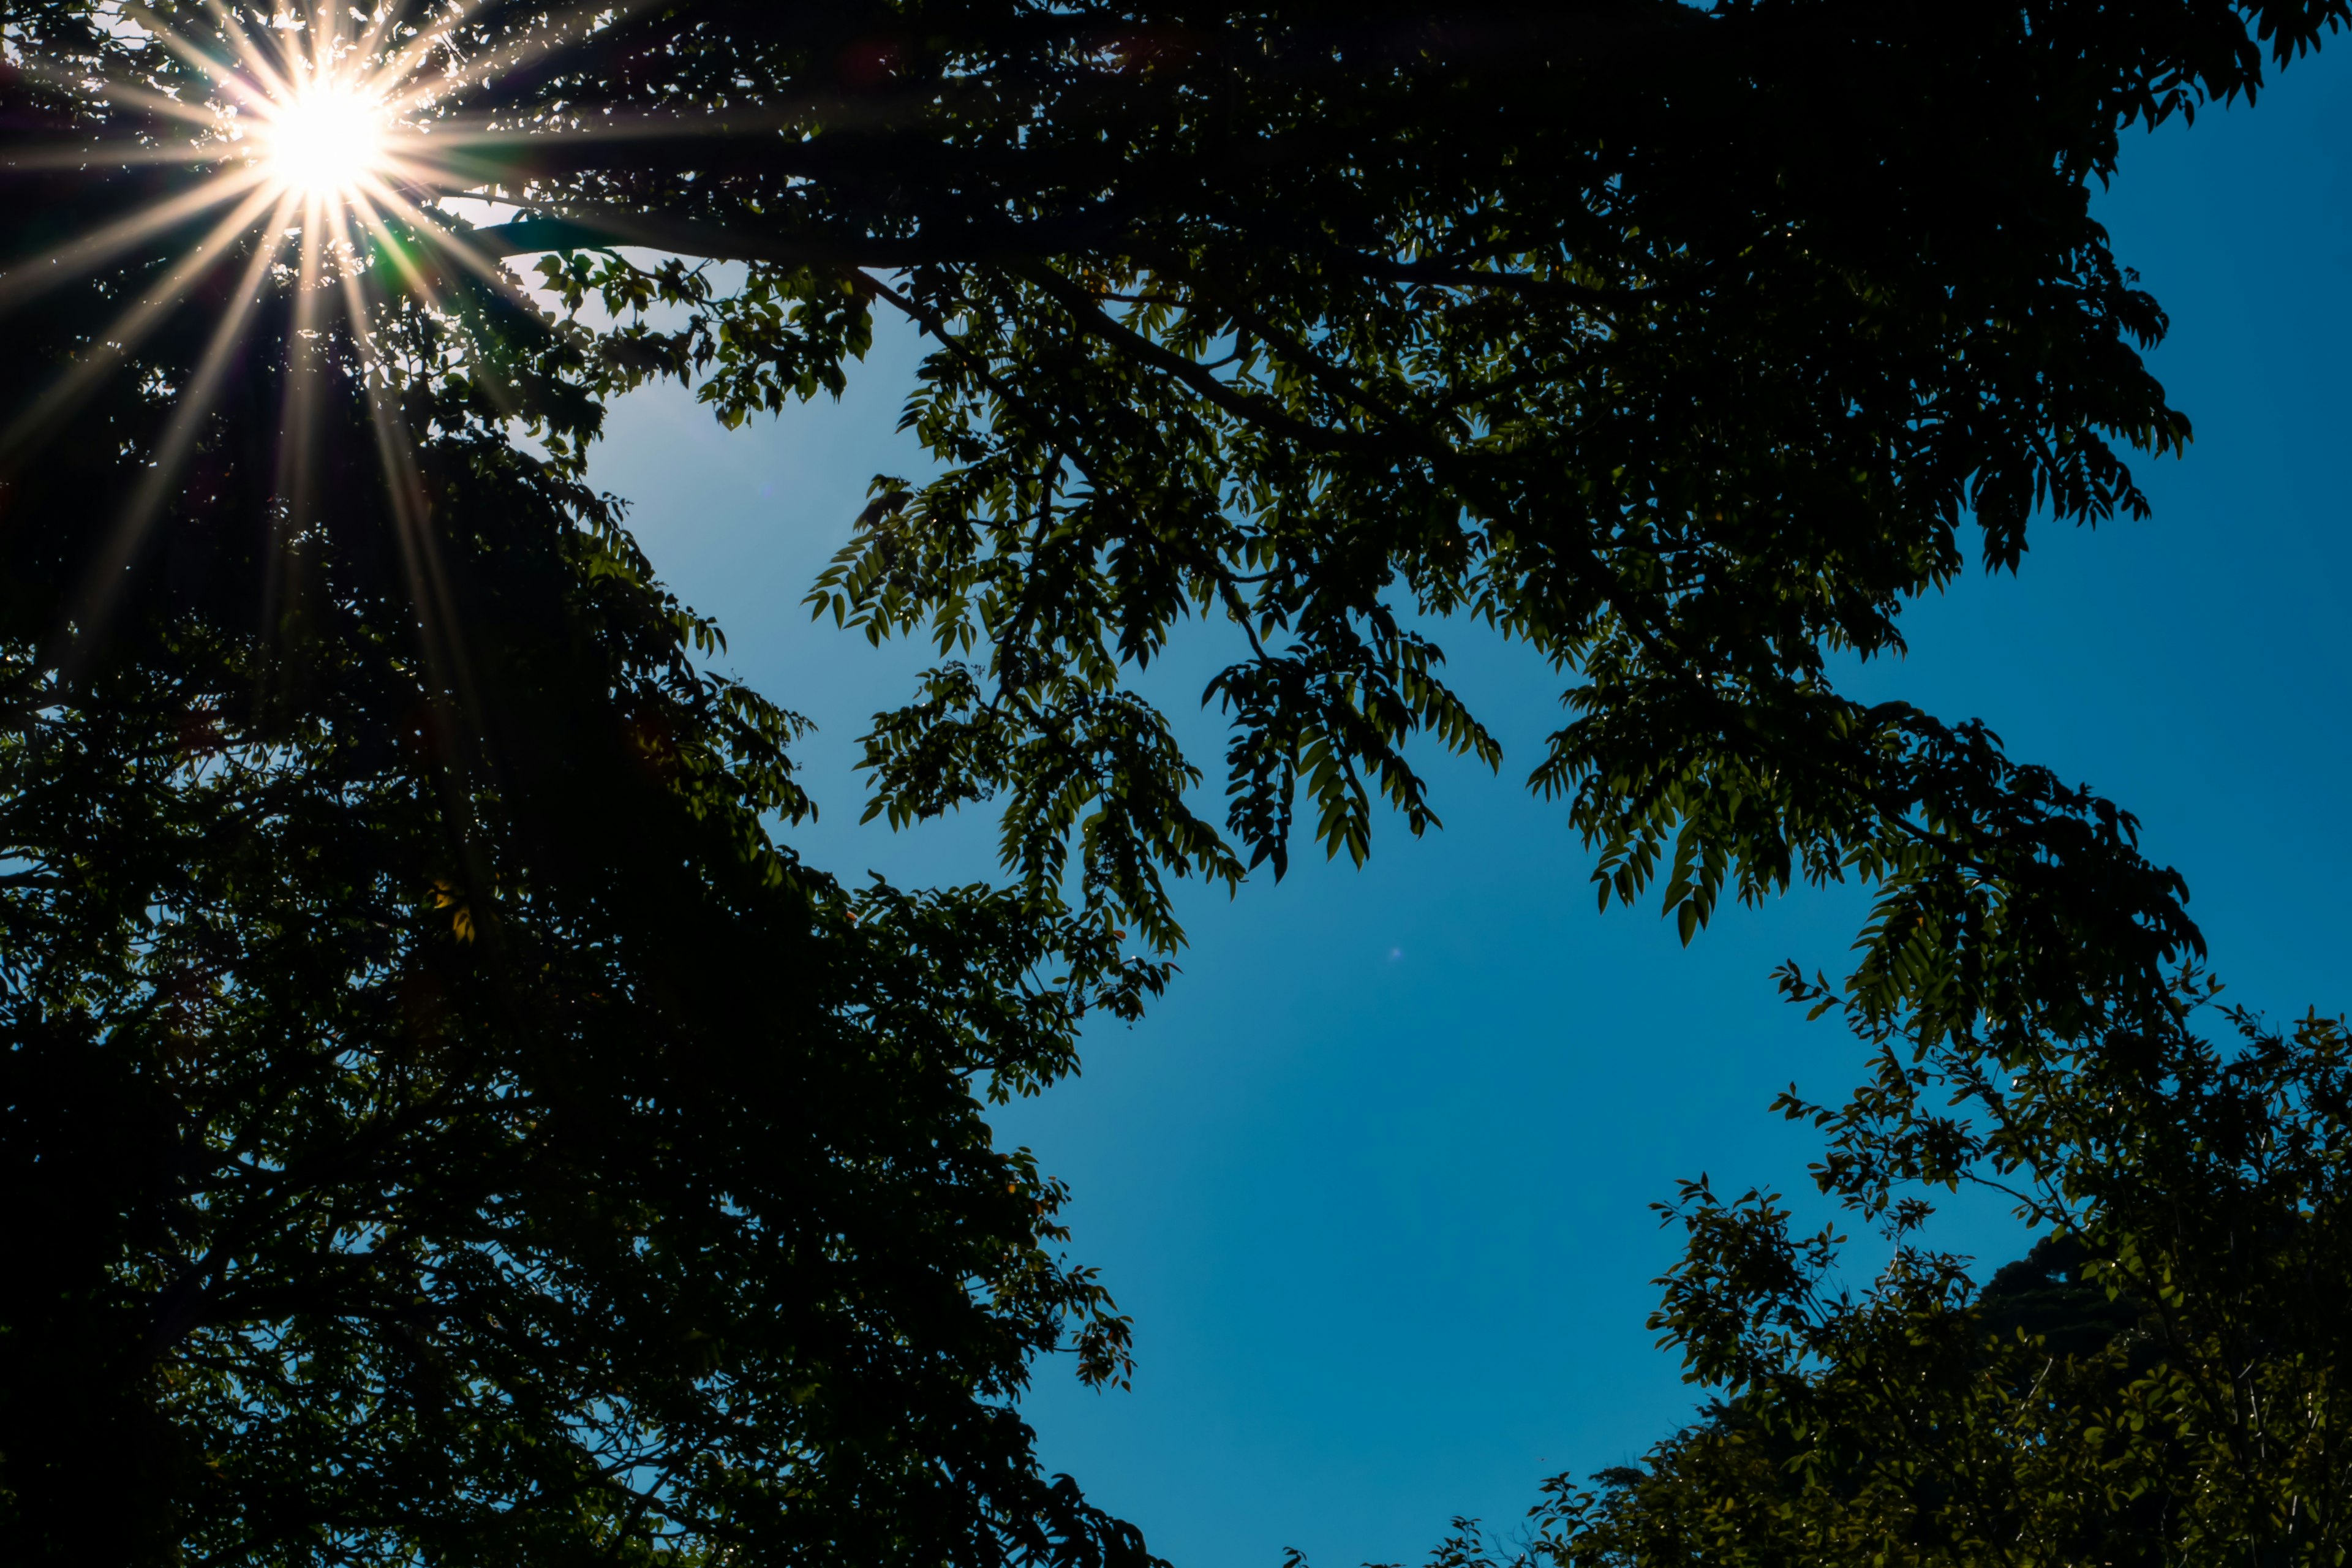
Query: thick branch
(591, 227)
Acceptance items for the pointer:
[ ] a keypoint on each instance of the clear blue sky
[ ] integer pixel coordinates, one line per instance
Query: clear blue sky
(1374, 1178)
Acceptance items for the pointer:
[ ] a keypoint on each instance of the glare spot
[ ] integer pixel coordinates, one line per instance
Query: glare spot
(326, 141)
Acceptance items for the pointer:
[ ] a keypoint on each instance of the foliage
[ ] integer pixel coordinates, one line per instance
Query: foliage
(453, 1129)
(2157, 1382)
(1681, 344)
(438, 1123)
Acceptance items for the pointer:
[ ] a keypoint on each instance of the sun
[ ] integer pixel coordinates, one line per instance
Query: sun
(325, 140)
(317, 148)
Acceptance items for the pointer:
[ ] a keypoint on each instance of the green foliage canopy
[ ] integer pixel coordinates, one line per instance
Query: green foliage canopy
(2158, 1383)
(1682, 346)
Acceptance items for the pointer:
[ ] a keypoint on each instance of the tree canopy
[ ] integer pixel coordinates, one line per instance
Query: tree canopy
(440, 1123)
(449, 1123)
(1682, 346)
(2157, 1382)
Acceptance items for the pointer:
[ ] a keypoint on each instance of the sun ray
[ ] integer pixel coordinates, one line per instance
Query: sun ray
(563, 33)
(123, 153)
(394, 249)
(147, 98)
(439, 633)
(404, 63)
(470, 256)
(249, 93)
(467, 254)
(297, 476)
(459, 130)
(310, 52)
(171, 453)
(415, 276)
(334, 131)
(241, 42)
(114, 345)
(36, 275)
(370, 44)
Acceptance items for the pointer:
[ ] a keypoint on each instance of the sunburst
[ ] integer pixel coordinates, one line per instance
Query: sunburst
(317, 146)
(328, 140)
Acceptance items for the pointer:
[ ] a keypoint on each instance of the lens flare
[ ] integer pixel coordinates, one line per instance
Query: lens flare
(317, 152)
(325, 141)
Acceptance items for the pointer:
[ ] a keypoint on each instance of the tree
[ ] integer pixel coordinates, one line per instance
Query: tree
(1680, 345)
(1682, 348)
(2157, 1382)
(439, 1124)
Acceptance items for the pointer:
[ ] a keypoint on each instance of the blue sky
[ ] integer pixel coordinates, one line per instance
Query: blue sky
(1373, 1179)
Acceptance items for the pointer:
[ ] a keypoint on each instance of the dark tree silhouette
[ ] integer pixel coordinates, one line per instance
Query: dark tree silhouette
(437, 1122)
(442, 1124)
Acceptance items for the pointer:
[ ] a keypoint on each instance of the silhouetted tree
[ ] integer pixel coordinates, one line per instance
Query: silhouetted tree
(437, 1122)
(441, 1124)
(2159, 1382)
(1682, 344)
